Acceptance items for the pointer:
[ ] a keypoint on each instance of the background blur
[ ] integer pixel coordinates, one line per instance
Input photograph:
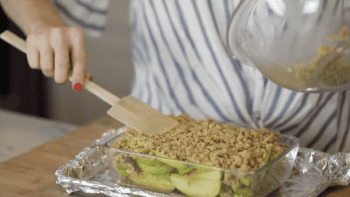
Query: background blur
(28, 91)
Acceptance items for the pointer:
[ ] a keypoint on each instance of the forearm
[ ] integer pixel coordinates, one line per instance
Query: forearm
(32, 15)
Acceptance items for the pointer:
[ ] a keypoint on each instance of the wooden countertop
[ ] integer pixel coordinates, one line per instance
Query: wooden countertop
(32, 173)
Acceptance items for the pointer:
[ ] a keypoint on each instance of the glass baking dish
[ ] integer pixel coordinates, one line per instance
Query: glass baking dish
(168, 176)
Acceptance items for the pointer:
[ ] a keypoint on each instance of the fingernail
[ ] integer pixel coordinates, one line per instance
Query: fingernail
(77, 87)
(91, 78)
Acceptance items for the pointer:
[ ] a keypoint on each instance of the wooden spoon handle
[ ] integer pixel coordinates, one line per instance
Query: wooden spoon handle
(93, 88)
(100, 92)
(14, 40)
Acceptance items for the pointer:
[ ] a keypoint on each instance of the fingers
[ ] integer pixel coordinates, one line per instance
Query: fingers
(79, 58)
(32, 53)
(88, 76)
(46, 59)
(62, 62)
(59, 52)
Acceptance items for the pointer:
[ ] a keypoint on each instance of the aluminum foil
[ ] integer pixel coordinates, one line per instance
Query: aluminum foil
(315, 171)
(91, 172)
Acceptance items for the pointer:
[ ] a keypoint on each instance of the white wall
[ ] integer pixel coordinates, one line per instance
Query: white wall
(109, 63)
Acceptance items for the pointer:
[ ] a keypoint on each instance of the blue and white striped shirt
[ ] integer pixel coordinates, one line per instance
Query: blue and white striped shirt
(89, 15)
(182, 66)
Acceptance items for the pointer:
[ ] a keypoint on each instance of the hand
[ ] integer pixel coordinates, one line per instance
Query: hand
(59, 52)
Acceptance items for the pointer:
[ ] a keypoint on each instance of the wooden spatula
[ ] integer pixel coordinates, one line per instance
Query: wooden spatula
(128, 110)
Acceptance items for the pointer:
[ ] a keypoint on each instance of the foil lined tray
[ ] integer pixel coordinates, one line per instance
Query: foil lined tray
(91, 172)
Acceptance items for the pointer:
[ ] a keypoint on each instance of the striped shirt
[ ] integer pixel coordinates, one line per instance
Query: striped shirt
(182, 66)
(89, 15)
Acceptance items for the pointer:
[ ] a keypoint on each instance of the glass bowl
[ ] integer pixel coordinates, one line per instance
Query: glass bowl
(287, 39)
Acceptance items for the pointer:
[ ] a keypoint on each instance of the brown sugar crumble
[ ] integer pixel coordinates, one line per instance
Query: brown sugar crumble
(335, 73)
(208, 142)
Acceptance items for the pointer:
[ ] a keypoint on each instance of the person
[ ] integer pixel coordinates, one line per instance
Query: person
(182, 66)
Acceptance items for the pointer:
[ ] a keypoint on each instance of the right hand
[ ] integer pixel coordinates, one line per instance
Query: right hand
(53, 50)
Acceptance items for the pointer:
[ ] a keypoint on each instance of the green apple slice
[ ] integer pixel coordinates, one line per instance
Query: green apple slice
(128, 143)
(244, 192)
(153, 167)
(176, 164)
(200, 174)
(204, 166)
(183, 171)
(244, 181)
(157, 183)
(198, 183)
(121, 170)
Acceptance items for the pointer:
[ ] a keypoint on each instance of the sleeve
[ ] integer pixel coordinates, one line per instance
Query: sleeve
(89, 15)
(347, 12)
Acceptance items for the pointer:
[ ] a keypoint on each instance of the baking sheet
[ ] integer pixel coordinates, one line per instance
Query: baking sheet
(91, 172)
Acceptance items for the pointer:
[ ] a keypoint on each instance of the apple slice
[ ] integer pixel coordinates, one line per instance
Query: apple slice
(198, 183)
(204, 166)
(176, 164)
(183, 171)
(153, 167)
(121, 170)
(159, 183)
